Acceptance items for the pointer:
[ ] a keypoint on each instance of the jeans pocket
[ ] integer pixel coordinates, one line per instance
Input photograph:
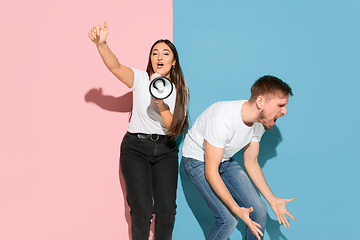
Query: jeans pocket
(130, 138)
(129, 142)
(170, 144)
(193, 167)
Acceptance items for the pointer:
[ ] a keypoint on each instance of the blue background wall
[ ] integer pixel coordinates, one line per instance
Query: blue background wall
(312, 153)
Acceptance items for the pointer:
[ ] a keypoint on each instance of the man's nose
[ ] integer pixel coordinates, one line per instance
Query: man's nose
(284, 111)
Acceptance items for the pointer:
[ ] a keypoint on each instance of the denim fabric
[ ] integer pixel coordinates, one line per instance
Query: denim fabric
(240, 187)
(150, 171)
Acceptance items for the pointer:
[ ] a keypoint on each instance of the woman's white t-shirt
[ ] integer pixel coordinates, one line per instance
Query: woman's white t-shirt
(146, 116)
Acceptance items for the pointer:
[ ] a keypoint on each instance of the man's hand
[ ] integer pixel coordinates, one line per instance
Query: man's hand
(254, 227)
(279, 207)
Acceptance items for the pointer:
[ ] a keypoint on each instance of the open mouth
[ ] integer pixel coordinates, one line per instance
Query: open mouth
(276, 118)
(160, 65)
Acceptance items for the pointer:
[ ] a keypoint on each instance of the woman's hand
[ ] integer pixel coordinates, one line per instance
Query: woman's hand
(162, 106)
(98, 34)
(165, 113)
(159, 103)
(254, 227)
(279, 207)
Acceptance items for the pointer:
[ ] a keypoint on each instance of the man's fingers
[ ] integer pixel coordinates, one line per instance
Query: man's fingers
(286, 223)
(105, 25)
(282, 220)
(256, 224)
(256, 231)
(291, 199)
(290, 216)
(278, 217)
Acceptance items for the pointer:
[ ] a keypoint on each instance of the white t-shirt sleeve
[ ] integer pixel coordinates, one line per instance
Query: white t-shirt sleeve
(217, 132)
(258, 132)
(138, 77)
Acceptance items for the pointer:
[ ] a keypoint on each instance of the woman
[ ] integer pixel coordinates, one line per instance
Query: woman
(149, 154)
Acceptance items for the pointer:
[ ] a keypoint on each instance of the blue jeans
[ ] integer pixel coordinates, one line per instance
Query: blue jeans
(150, 171)
(240, 187)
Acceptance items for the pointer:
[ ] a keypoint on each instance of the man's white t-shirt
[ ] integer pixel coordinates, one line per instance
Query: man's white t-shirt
(146, 116)
(221, 125)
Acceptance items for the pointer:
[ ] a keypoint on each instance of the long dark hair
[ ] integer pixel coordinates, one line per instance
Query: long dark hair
(180, 121)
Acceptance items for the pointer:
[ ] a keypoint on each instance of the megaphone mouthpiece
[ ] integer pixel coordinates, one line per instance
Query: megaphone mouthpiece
(155, 75)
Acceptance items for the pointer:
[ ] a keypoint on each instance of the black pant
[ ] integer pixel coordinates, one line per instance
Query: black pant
(150, 171)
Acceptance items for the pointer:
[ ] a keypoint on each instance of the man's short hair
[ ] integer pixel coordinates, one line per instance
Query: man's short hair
(269, 85)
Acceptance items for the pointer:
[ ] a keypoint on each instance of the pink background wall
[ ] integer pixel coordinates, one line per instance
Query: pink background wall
(59, 136)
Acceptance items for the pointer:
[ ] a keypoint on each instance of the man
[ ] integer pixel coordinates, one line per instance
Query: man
(222, 130)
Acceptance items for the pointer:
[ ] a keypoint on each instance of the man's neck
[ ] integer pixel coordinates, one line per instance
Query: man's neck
(249, 113)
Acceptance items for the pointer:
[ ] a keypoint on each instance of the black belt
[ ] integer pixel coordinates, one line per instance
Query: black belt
(152, 137)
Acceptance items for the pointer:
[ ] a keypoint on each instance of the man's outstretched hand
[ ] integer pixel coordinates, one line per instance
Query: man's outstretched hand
(254, 227)
(279, 207)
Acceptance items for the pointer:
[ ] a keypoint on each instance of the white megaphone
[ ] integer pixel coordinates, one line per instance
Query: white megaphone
(160, 87)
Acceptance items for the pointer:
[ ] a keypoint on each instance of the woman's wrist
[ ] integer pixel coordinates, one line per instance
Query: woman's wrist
(163, 106)
(101, 44)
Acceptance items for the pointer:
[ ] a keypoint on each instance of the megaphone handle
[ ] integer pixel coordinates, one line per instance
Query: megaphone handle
(163, 81)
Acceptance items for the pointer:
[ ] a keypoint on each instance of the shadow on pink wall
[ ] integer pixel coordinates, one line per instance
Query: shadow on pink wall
(114, 104)
(121, 104)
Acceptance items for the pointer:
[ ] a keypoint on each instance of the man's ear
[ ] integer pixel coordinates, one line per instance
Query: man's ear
(260, 102)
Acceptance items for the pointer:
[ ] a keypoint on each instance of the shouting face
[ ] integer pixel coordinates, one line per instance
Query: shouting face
(162, 59)
(272, 108)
